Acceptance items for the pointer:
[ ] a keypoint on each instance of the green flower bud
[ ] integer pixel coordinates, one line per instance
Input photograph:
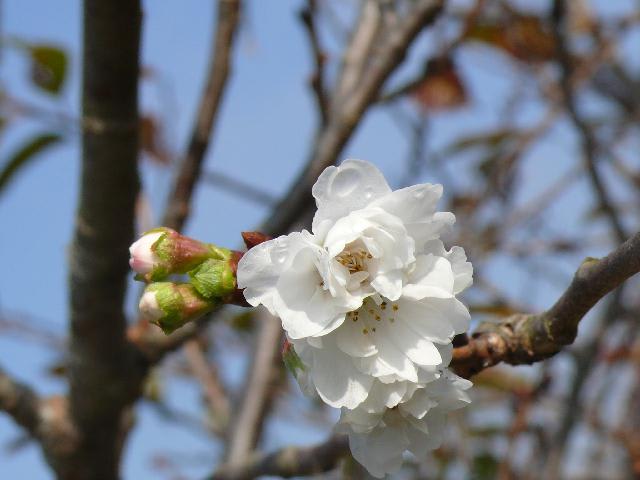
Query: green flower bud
(214, 278)
(171, 305)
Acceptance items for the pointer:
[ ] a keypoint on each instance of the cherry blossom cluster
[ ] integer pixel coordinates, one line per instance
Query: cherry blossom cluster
(368, 301)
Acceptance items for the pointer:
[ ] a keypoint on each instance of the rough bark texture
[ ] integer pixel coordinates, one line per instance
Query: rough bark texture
(102, 370)
(525, 339)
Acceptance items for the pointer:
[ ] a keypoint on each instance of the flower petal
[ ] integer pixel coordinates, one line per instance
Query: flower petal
(259, 269)
(380, 451)
(337, 380)
(432, 276)
(340, 190)
(416, 207)
(462, 269)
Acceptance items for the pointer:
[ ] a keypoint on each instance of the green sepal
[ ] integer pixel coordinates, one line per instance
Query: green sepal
(292, 361)
(213, 279)
(171, 303)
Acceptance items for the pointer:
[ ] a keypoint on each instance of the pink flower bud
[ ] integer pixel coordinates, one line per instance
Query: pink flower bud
(143, 258)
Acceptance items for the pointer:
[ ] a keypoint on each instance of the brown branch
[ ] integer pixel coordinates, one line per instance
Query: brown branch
(588, 142)
(20, 402)
(228, 15)
(258, 390)
(525, 339)
(289, 462)
(104, 370)
(214, 391)
(242, 189)
(308, 16)
(346, 118)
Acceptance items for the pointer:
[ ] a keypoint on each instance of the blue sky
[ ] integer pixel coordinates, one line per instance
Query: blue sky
(267, 121)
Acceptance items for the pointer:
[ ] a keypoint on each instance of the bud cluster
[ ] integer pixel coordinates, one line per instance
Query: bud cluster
(210, 270)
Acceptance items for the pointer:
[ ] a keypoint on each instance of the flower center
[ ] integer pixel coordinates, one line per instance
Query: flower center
(372, 313)
(354, 260)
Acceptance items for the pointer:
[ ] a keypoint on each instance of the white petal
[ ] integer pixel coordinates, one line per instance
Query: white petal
(434, 319)
(259, 269)
(336, 379)
(383, 396)
(417, 349)
(419, 404)
(426, 434)
(352, 341)
(432, 276)
(357, 420)
(416, 207)
(304, 307)
(340, 190)
(395, 358)
(380, 451)
(389, 284)
(462, 269)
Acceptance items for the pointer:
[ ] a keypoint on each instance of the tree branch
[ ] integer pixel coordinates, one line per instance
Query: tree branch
(343, 121)
(308, 17)
(289, 462)
(588, 142)
(228, 16)
(214, 391)
(525, 339)
(20, 402)
(258, 390)
(103, 367)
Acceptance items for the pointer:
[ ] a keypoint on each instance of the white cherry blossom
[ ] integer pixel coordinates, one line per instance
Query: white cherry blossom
(399, 417)
(370, 295)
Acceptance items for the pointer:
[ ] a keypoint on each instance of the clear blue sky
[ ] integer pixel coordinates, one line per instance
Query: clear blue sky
(265, 128)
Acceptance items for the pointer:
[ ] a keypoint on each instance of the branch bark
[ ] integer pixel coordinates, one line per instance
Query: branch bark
(588, 143)
(258, 390)
(228, 16)
(308, 16)
(20, 402)
(525, 339)
(343, 121)
(289, 462)
(103, 365)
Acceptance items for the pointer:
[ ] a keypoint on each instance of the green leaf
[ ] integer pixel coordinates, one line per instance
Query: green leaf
(24, 155)
(48, 64)
(48, 67)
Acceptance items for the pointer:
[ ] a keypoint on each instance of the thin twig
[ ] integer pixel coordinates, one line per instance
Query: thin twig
(344, 121)
(214, 391)
(238, 187)
(228, 15)
(308, 16)
(588, 142)
(258, 391)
